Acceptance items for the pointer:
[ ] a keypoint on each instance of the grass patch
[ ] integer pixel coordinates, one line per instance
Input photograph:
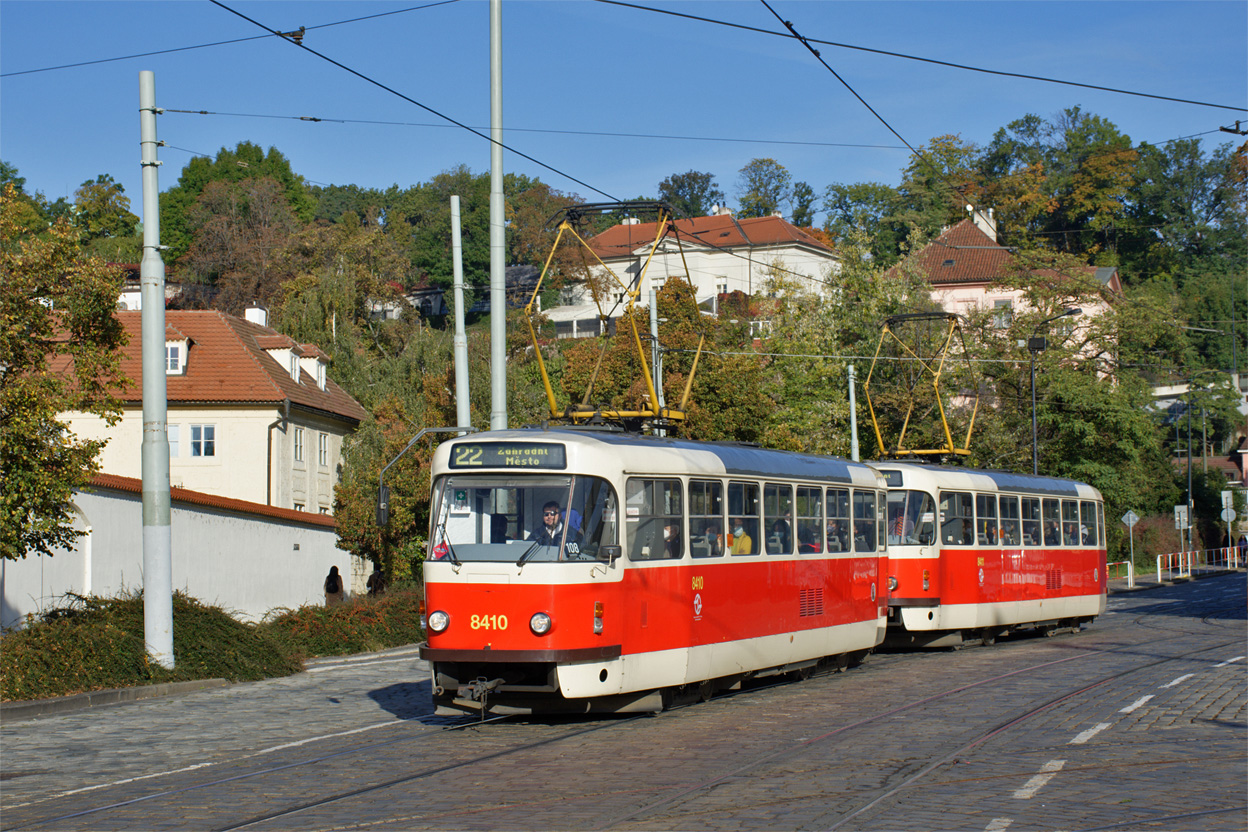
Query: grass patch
(91, 644)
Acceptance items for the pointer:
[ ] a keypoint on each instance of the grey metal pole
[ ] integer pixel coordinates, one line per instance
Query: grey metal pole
(462, 407)
(1035, 458)
(157, 539)
(656, 355)
(853, 417)
(498, 241)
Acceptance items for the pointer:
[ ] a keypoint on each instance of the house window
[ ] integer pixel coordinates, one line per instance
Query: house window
(175, 439)
(324, 509)
(722, 287)
(320, 374)
(1002, 313)
(203, 440)
(298, 444)
(294, 366)
(298, 506)
(322, 450)
(173, 359)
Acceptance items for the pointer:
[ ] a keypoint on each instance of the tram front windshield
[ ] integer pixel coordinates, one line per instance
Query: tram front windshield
(477, 517)
(911, 518)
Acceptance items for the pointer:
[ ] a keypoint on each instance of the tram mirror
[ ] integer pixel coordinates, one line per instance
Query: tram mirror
(609, 553)
(383, 505)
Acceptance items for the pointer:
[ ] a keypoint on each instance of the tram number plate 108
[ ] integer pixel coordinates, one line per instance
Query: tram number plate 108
(488, 622)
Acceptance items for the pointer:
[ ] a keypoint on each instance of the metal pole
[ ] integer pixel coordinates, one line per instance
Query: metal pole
(1189, 463)
(656, 355)
(853, 417)
(462, 406)
(157, 540)
(1035, 456)
(498, 241)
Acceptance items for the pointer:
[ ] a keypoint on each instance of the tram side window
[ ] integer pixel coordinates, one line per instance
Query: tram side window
(1100, 524)
(837, 533)
(1052, 522)
(706, 518)
(911, 518)
(591, 515)
(1070, 523)
(864, 521)
(1087, 524)
(809, 519)
(957, 521)
(986, 520)
(743, 516)
(1032, 526)
(1011, 522)
(655, 518)
(778, 518)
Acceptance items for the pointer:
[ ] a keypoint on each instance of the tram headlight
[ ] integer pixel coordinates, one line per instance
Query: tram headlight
(438, 621)
(892, 583)
(540, 623)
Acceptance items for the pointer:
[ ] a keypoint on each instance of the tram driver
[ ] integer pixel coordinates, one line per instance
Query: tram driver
(551, 532)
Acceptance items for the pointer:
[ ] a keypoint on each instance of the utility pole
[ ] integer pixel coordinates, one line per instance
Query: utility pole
(157, 539)
(498, 238)
(462, 401)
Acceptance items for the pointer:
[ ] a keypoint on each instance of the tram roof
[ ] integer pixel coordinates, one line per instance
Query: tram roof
(1003, 480)
(736, 459)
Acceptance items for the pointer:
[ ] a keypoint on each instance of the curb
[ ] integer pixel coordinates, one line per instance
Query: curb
(34, 708)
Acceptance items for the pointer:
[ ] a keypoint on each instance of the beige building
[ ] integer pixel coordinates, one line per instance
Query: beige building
(252, 415)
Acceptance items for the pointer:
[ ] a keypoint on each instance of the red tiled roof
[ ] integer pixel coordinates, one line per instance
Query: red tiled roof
(721, 231)
(227, 363)
(963, 254)
(199, 498)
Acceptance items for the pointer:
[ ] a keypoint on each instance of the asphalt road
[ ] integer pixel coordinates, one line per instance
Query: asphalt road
(1139, 722)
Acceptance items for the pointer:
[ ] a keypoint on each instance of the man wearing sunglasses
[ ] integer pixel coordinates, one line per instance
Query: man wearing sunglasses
(550, 533)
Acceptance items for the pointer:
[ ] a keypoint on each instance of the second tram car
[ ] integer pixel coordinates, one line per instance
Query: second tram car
(581, 570)
(976, 554)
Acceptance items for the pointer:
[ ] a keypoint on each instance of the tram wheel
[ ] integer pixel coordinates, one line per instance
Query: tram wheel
(706, 690)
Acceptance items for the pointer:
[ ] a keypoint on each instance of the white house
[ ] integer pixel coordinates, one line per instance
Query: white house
(252, 415)
(721, 254)
(247, 558)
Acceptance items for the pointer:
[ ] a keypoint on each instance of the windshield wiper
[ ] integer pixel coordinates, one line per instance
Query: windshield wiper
(529, 551)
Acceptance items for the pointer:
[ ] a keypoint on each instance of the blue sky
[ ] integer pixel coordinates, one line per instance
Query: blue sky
(576, 65)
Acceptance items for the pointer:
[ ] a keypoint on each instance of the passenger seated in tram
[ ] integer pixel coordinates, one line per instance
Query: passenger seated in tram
(1009, 533)
(714, 541)
(671, 540)
(781, 538)
(742, 543)
(836, 537)
(551, 532)
(1052, 535)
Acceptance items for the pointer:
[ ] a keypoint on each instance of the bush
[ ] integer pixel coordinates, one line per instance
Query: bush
(94, 643)
(362, 625)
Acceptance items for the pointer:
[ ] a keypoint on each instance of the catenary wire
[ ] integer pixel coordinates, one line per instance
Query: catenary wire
(220, 42)
(411, 100)
(915, 57)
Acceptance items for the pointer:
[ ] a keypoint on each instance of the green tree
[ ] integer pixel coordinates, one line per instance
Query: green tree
(58, 352)
(763, 187)
(803, 205)
(869, 208)
(693, 193)
(102, 212)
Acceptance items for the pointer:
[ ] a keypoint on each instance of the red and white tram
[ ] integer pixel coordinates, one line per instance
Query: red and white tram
(590, 570)
(976, 554)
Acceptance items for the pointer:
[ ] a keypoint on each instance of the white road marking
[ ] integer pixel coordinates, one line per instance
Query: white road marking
(1089, 734)
(998, 824)
(298, 743)
(1229, 661)
(1035, 784)
(1174, 682)
(1137, 703)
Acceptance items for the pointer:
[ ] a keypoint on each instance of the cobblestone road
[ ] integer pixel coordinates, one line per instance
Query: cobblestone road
(1137, 723)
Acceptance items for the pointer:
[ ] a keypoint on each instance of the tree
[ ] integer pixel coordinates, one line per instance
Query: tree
(58, 352)
(866, 207)
(763, 186)
(692, 194)
(102, 212)
(803, 205)
(241, 230)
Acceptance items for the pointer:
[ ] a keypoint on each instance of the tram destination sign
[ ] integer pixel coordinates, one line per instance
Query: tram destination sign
(509, 455)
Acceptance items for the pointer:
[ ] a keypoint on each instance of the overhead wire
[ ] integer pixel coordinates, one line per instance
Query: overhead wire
(916, 57)
(411, 100)
(220, 42)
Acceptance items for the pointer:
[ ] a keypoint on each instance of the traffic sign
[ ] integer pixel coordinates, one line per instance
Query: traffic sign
(1180, 517)
(1228, 514)
(1130, 519)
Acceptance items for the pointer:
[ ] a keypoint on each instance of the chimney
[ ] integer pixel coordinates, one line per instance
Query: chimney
(257, 315)
(984, 221)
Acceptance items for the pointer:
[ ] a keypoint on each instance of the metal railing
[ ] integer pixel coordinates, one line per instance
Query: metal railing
(1184, 564)
(1130, 571)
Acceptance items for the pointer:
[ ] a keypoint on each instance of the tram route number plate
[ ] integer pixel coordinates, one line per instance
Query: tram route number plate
(509, 455)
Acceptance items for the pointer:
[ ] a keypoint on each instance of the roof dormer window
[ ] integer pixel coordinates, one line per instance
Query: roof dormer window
(294, 366)
(320, 374)
(175, 357)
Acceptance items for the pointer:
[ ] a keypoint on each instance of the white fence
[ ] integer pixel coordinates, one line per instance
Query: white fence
(1185, 564)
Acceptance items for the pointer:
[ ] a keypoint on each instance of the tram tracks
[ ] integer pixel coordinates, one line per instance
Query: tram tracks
(675, 794)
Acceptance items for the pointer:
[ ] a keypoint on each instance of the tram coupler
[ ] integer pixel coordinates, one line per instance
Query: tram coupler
(476, 693)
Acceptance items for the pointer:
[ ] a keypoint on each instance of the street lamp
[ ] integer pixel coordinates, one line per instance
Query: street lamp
(1037, 344)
